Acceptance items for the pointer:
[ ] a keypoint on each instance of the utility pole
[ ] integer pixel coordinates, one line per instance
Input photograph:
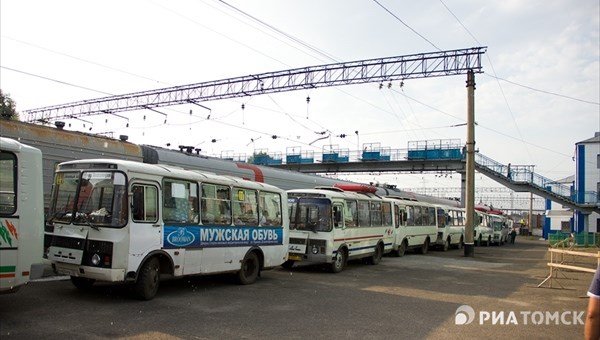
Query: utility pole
(470, 192)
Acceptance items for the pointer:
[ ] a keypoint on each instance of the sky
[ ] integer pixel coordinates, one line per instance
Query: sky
(538, 94)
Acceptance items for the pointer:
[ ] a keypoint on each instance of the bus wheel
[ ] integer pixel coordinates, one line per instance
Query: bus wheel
(148, 280)
(250, 268)
(446, 245)
(339, 262)
(376, 257)
(402, 248)
(288, 264)
(82, 282)
(424, 247)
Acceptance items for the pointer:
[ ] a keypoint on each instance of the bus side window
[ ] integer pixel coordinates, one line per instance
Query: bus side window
(337, 216)
(351, 214)
(176, 200)
(8, 184)
(410, 215)
(144, 203)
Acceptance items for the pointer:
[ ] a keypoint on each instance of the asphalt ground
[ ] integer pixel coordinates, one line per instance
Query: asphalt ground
(415, 296)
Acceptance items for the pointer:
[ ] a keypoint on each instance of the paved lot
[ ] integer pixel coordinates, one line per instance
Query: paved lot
(415, 296)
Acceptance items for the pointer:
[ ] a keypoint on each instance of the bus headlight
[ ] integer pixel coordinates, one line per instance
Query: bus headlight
(96, 259)
(315, 249)
(98, 254)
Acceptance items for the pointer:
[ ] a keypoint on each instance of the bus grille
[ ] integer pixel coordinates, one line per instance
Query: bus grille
(318, 243)
(68, 242)
(297, 240)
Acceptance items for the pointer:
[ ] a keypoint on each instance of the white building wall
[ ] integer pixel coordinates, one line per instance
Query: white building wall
(592, 172)
(592, 178)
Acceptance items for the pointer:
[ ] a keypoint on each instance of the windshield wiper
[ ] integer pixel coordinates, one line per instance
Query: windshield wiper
(57, 214)
(313, 226)
(87, 221)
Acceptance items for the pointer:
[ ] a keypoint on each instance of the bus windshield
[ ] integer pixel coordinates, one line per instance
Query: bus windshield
(312, 214)
(96, 199)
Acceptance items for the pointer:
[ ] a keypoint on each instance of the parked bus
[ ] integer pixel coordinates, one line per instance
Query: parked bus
(125, 221)
(483, 233)
(21, 214)
(451, 227)
(416, 226)
(499, 228)
(331, 225)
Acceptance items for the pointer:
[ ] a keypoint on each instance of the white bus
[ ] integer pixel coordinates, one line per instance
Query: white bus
(416, 226)
(330, 225)
(499, 227)
(21, 214)
(451, 227)
(124, 221)
(483, 233)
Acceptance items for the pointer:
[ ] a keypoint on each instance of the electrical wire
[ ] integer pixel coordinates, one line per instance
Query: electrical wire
(407, 26)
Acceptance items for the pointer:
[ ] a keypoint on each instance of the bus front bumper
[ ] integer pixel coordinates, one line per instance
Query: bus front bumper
(100, 274)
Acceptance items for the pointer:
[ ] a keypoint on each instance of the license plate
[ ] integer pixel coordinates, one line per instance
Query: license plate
(297, 248)
(295, 257)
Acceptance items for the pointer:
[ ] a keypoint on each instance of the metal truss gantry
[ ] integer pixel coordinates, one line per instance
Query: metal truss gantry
(422, 65)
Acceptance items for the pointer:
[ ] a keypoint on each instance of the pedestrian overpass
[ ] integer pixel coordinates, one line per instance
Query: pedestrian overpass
(430, 156)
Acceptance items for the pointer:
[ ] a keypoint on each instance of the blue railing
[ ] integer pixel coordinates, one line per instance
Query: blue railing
(430, 150)
(525, 174)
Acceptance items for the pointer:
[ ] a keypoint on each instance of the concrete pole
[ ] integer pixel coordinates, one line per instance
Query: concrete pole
(463, 189)
(470, 192)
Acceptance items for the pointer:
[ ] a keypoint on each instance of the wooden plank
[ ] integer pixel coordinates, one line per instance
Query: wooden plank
(576, 253)
(566, 266)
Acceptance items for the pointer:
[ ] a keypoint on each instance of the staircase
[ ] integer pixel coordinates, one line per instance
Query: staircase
(522, 178)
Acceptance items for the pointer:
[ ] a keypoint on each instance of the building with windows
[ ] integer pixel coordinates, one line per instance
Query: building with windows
(585, 185)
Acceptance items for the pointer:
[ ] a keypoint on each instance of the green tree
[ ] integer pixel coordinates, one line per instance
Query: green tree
(8, 107)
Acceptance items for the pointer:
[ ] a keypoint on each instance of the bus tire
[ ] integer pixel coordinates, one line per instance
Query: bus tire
(288, 264)
(402, 249)
(339, 262)
(82, 283)
(424, 247)
(376, 257)
(250, 268)
(446, 244)
(460, 243)
(148, 280)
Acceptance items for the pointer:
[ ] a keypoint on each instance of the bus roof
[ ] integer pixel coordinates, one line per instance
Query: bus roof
(169, 171)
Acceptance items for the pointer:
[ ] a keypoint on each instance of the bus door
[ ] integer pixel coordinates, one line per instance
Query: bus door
(399, 223)
(145, 228)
